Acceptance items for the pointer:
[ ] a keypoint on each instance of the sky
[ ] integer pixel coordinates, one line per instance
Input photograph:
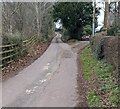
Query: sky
(101, 16)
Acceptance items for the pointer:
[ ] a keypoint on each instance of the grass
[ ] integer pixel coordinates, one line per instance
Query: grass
(104, 73)
(94, 100)
(88, 62)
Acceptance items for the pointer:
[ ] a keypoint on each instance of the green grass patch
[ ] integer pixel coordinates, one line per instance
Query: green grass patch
(94, 100)
(104, 73)
(88, 62)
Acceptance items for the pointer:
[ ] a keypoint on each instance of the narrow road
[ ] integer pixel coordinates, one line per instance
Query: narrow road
(48, 82)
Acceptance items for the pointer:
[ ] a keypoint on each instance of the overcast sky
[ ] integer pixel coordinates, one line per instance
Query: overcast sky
(101, 16)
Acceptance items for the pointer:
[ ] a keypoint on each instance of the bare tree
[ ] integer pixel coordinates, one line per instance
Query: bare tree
(106, 16)
(37, 16)
(26, 18)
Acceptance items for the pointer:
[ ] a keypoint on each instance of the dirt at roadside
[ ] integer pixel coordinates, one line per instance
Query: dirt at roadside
(82, 84)
(16, 66)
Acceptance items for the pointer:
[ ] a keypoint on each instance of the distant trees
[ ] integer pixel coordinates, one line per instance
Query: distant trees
(27, 19)
(111, 19)
(74, 16)
(87, 30)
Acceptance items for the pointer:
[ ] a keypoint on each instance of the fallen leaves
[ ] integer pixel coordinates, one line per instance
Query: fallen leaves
(19, 64)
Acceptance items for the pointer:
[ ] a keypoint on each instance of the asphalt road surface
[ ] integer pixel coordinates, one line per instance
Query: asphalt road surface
(48, 82)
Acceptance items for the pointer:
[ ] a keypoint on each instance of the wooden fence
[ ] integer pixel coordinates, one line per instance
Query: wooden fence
(11, 52)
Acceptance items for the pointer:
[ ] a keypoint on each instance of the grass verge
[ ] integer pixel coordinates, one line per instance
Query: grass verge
(102, 81)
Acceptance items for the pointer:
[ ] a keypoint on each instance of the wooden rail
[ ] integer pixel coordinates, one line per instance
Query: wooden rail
(10, 52)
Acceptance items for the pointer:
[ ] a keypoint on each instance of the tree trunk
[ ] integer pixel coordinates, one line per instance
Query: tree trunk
(40, 14)
(106, 16)
(10, 26)
(37, 16)
(119, 15)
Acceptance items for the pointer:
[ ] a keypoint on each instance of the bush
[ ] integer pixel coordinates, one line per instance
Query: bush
(106, 47)
(112, 31)
(87, 30)
(100, 50)
(111, 51)
(65, 35)
(12, 39)
(95, 40)
(118, 33)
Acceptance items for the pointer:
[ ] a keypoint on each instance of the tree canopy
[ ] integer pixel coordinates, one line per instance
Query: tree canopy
(74, 16)
(87, 30)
